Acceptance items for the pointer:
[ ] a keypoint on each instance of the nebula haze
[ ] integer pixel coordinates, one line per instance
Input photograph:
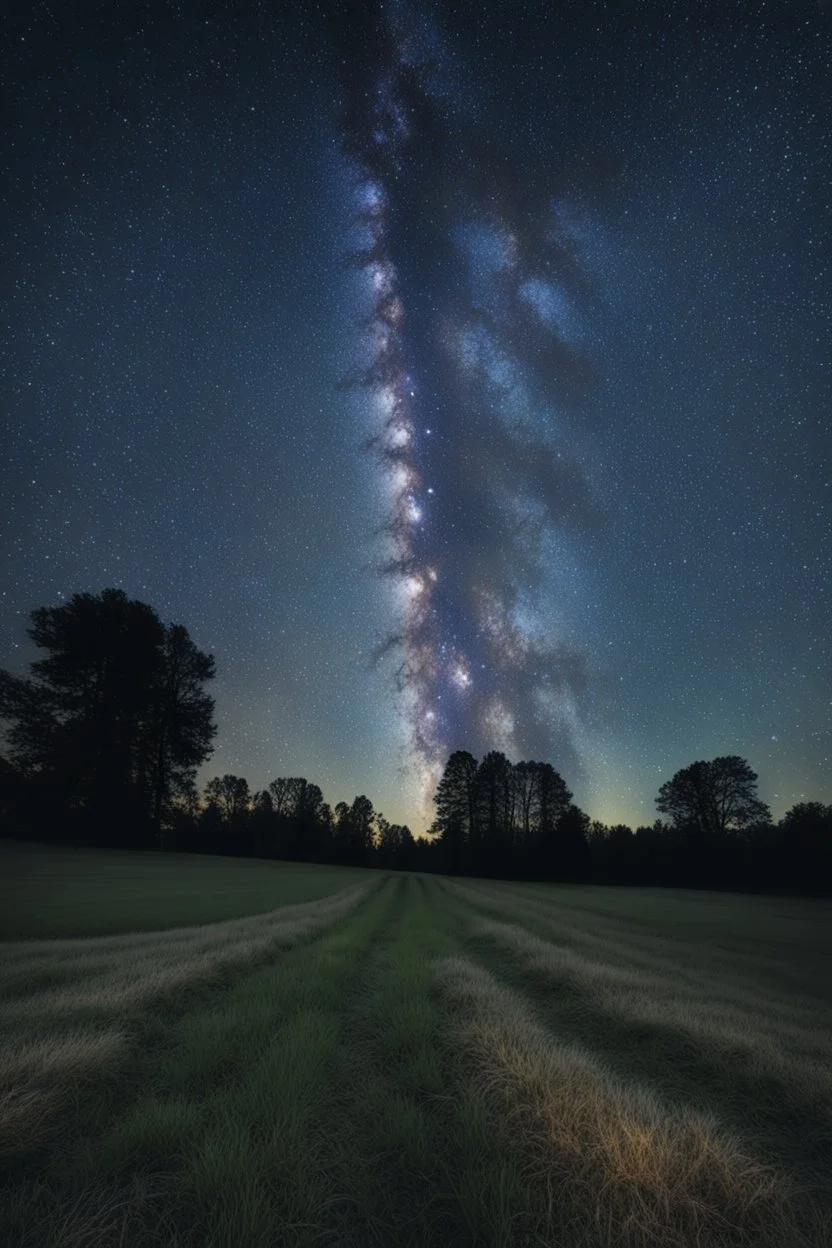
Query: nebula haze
(475, 285)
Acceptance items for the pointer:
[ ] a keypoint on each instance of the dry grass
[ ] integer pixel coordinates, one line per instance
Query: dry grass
(774, 969)
(697, 992)
(105, 1214)
(770, 1041)
(59, 1055)
(626, 945)
(26, 1114)
(618, 1166)
(51, 1037)
(114, 974)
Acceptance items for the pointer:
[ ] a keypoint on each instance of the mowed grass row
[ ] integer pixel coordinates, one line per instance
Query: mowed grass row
(442, 1063)
(694, 1098)
(420, 1159)
(708, 1023)
(72, 1009)
(785, 942)
(205, 1139)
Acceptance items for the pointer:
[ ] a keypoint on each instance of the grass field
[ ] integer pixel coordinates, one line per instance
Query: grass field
(385, 1059)
(46, 891)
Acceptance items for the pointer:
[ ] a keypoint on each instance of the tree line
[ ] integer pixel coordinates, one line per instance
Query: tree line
(104, 740)
(517, 820)
(289, 819)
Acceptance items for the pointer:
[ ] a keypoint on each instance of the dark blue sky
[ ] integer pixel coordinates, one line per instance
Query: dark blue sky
(594, 261)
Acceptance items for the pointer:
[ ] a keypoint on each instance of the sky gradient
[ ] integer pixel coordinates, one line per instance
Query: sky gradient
(459, 375)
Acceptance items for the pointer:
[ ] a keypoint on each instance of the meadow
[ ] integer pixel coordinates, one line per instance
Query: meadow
(219, 1053)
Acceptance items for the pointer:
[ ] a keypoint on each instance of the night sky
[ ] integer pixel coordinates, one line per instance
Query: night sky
(458, 374)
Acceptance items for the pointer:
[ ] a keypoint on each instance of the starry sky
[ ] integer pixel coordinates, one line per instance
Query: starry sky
(458, 374)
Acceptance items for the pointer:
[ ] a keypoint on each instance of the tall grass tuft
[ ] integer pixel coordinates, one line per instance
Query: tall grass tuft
(696, 1009)
(619, 1167)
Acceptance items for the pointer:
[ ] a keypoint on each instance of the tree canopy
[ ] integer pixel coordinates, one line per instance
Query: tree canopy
(498, 815)
(714, 798)
(114, 714)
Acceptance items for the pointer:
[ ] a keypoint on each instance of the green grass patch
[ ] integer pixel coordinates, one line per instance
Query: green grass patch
(420, 1159)
(55, 893)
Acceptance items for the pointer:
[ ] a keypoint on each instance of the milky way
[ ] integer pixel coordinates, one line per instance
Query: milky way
(476, 285)
(586, 246)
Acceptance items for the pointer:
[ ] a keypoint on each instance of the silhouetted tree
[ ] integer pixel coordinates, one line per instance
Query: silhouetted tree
(653, 854)
(621, 854)
(613, 853)
(565, 855)
(494, 798)
(212, 836)
(113, 721)
(497, 818)
(300, 822)
(230, 794)
(455, 801)
(804, 848)
(354, 831)
(715, 797)
(392, 843)
(282, 793)
(326, 823)
(182, 728)
(182, 829)
(710, 804)
(553, 800)
(362, 829)
(340, 832)
(81, 721)
(262, 825)
(308, 829)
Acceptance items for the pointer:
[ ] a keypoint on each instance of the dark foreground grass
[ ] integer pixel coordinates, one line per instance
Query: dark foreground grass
(52, 892)
(434, 1065)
